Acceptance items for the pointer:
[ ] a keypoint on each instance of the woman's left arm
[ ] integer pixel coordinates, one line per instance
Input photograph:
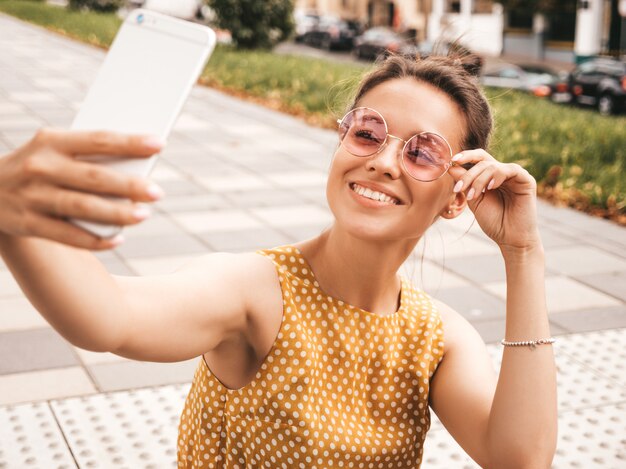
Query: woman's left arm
(516, 424)
(523, 417)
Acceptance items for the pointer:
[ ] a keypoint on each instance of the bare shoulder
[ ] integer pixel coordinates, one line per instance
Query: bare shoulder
(456, 329)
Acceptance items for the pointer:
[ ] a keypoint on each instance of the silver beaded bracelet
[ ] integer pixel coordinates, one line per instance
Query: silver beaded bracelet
(530, 343)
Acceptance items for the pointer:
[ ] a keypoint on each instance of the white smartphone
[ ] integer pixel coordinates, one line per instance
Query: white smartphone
(142, 85)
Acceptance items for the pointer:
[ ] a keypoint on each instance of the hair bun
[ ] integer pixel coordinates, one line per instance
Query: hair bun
(462, 57)
(455, 54)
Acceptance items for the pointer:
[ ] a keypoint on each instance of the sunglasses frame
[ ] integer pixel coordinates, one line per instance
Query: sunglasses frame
(406, 142)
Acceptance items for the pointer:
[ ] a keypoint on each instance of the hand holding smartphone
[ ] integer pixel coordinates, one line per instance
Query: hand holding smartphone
(141, 87)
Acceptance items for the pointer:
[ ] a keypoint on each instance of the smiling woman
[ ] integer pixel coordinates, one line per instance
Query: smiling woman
(315, 354)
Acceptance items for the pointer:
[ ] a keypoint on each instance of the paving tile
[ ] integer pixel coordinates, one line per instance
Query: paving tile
(591, 319)
(30, 437)
(563, 294)
(429, 276)
(44, 385)
(263, 198)
(193, 203)
(16, 138)
(473, 303)
(180, 187)
(117, 267)
(314, 194)
(169, 245)
(88, 357)
(158, 265)
(299, 178)
(304, 231)
(221, 184)
(8, 285)
(211, 221)
(443, 245)
(582, 260)
(34, 349)
(293, 215)
(463, 224)
(612, 283)
(155, 225)
(135, 374)
(602, 351)
(16, 313)
(479, 269)
(493, 331)
(245, 240)
(551, 238)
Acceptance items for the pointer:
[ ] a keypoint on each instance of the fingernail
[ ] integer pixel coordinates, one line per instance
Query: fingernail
(154, 142)
(116, 240)
(141, 212)
(457, 157)
(154, 191)
(491, 183)
(470, 194)
(457, 186)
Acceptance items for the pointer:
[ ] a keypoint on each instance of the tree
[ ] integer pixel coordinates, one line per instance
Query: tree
(254, 23)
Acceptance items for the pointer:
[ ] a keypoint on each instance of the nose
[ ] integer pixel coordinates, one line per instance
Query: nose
(387, 160)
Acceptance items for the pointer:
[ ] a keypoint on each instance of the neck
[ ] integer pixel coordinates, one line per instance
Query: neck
(360, 272)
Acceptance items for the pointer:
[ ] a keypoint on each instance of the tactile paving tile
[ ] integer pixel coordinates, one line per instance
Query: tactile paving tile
(604, 351)
(579, 384)
(589, 438)
(30, 439)
(123, 430)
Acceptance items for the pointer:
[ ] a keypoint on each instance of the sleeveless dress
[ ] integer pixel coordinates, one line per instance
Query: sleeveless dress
(340, 387)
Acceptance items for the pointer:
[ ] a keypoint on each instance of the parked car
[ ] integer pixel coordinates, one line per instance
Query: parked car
(381, 41)
(331, 32)
(533, 78)
(305, 22)
(600, 82)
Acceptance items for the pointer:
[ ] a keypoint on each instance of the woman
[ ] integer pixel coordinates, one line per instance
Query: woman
(316, 354)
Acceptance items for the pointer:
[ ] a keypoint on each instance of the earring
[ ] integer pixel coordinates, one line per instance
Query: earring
(449, 211)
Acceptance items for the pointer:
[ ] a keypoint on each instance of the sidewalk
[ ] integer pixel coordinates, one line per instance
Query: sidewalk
(241, 177)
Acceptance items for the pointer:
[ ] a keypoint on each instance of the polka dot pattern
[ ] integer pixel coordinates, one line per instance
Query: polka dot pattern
(341, 386)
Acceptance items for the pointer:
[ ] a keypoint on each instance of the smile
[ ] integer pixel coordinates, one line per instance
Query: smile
(374, 195)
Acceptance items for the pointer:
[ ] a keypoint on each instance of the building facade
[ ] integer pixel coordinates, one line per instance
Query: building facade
(578, 30)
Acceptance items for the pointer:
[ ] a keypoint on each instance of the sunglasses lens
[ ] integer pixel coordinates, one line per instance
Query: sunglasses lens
(362, 131)
(425, 156)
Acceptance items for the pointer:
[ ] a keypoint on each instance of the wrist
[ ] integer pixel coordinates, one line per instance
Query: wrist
(531, 251)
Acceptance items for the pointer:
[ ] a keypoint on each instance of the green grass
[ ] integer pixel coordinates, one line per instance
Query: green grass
(576, 155)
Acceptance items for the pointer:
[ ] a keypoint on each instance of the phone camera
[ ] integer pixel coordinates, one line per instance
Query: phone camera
(140, 18)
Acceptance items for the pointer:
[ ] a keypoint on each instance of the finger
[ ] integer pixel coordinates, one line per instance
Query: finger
(471, 156)
(69, 204)
(64, 232)
(99, 142)
(90, 177)
(479, 184)
(465, 181)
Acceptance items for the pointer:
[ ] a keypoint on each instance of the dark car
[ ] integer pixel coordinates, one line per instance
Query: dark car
(332, 33)
(540, 80)
(304, 23)
(381, 41)
(601, 83)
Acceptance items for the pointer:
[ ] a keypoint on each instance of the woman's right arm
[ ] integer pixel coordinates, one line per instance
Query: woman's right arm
(161, 318)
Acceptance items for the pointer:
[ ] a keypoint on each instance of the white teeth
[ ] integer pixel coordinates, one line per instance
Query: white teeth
(374, 195)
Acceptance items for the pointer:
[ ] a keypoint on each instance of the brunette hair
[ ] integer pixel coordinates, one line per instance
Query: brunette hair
(456, 74)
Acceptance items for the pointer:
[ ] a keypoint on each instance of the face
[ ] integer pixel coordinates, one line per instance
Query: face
(409, 107)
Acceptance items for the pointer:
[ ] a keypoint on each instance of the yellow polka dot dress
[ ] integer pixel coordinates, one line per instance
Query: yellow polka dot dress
(341, 387)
